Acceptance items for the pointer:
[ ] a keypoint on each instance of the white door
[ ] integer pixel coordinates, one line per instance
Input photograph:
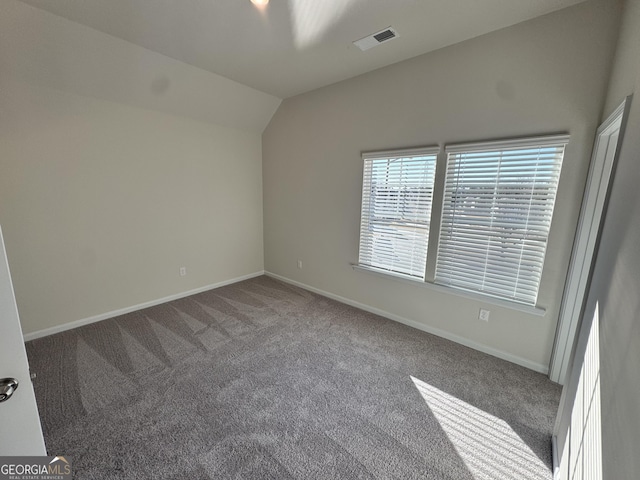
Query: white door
(21, 433)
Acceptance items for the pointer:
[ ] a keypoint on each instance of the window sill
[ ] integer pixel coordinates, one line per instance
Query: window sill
(540, 312)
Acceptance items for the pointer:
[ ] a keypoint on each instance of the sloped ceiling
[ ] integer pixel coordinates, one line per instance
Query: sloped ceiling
(39, 48)
(294, 46)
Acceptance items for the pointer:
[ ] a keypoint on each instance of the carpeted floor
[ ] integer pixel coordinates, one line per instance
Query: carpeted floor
(262, 380)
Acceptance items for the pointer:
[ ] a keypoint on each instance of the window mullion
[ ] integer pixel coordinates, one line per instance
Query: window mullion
(436, 216)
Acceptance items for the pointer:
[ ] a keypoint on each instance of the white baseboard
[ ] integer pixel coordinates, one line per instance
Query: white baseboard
(421, 326)
(103, 316)
(412, 323)
(554, 457)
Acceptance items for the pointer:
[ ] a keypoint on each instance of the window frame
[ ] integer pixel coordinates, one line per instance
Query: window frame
(437, 206)
(431, 151)
(505, 150)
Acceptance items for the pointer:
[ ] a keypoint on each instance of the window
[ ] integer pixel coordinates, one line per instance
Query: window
(496, 215)
(396, 210)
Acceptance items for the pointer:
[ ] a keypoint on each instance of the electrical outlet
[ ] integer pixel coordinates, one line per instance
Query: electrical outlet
(300, 264)
(183, 271)
(484, 315)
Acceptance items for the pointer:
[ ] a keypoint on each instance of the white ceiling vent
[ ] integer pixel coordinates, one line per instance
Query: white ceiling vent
(376, 39)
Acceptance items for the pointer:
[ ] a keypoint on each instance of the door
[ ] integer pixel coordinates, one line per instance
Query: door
(21, 433)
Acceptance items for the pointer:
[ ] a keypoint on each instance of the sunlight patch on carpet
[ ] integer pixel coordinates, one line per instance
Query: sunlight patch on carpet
(488, 445)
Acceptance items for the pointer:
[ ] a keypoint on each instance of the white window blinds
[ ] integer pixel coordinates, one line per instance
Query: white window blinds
(496, 216)
(397, 192)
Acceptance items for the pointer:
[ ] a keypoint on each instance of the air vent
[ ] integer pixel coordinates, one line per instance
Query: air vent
(376, 39)
(383, 36)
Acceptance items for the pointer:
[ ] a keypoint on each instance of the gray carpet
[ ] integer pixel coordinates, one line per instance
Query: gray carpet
(262, 380)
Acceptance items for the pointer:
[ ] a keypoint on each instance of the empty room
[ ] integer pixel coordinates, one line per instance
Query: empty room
(339, 239)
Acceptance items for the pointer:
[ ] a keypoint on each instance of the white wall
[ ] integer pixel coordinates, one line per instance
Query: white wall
(106, 191)
(616, 280)
(547, 75)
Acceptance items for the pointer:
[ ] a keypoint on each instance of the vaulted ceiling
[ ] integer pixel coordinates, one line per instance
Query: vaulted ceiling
(294, 46)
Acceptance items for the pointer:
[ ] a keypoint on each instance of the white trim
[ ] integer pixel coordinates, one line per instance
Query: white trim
(388, 273)
(405, 152)
(114, 313)
(554, 457)
(618, 112)
(587, 234)
(420, 326)
(547, 140)
(520, 307)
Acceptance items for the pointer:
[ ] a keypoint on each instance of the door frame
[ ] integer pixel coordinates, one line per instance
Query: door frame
(594, 204)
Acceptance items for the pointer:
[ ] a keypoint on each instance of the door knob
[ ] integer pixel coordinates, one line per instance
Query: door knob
(7, 387)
